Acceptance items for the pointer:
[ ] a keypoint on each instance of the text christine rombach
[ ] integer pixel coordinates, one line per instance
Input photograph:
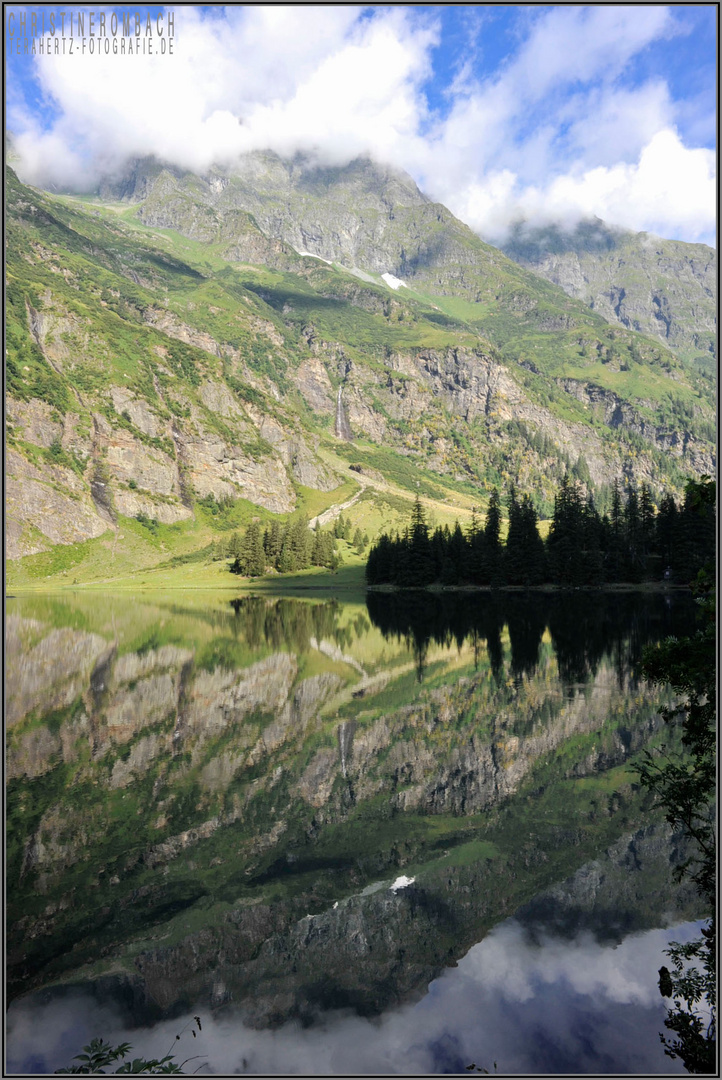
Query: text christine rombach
(83, 32)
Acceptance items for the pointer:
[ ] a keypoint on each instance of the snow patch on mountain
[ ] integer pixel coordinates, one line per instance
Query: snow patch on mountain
(394, 282)
(310, 255)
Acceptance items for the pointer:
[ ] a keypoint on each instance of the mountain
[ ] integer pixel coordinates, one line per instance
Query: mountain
(211, 801)
(665, 289)
(185, 353)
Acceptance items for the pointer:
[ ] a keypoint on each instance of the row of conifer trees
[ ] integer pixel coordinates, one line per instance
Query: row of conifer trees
(634, 542)
(289, 547)
(286, 548)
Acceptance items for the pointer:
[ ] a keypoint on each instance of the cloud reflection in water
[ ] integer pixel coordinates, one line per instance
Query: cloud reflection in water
(549, 1006)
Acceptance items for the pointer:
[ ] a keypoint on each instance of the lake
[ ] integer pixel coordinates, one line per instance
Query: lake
(395, 837)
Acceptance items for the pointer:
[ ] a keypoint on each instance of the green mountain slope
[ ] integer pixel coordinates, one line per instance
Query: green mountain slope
(240, 768)
(171, 353)
(665, 289)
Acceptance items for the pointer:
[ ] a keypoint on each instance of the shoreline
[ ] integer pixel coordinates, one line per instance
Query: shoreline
(284, 586)
(622, 586)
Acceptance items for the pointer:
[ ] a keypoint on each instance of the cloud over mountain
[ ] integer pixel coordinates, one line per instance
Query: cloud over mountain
(555, 116)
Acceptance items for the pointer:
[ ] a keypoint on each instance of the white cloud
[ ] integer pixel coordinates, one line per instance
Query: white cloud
(669, 182)
(317, 79)
(555, 130)
(555, 137)
(597, 1006)
(668, 189)
(610, 124)
(578, 44)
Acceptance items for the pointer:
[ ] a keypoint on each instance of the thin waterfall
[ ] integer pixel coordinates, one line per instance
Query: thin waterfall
(343, 428)
(345, 738)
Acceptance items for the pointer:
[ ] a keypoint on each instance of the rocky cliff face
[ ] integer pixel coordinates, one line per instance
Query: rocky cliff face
(381, 949)
(345, 215)
(663, 288)
(606, 896)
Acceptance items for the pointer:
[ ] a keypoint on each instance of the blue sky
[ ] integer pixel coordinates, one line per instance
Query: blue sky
(507, 112)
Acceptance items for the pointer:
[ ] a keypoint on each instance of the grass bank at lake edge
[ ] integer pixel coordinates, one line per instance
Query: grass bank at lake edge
(348, 582)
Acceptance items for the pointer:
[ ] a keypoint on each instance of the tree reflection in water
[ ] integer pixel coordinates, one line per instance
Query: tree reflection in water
(583, 627)
(285, 622)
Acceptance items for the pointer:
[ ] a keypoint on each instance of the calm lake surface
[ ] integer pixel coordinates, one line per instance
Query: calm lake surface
(398, 837)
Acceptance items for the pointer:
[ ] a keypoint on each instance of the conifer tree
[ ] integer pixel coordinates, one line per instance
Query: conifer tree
(697, 527)
(234, 547)
(532, 546)
(515, 542)
(474, 568)
(458, 556)
(565, 540)
(592, 539)
(272, 543)
(614, 568)
(300, 540)
(318, 549)
(493, 554)
(666, 529)
(646, 532)
(581, 471)
(632, 554)
(287, 559)
(252, 557)
(420, 563)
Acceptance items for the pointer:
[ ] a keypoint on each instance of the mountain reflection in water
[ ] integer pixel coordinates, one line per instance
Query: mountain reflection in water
(531, 1006)
(212, 805)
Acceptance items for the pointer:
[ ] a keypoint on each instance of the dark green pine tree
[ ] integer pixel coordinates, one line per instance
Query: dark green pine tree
(403, 570)
(323, 549)
(301, 540)
(593, 538)
(493, 553)
(650, 560)
(234, 547)
(421, 562)
(253, 556)
(533, 554)
(474, 569)
(317, 547)
(697, 528)
(439, 552)
(272, 542)
(615, 547)
(633, 568)
(458, 556)
(514, 550)
(666, 530)
(565, 543)
(380, 563)
(286, 557)
(581, 471)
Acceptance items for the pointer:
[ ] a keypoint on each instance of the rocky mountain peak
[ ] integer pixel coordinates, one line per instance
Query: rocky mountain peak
(665, 289)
